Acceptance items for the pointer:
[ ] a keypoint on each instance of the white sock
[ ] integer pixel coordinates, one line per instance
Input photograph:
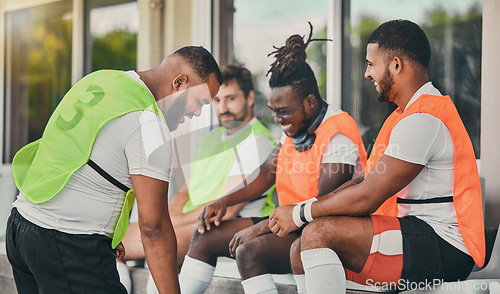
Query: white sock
(195, 276)
(324, 271)
(263, 284)
(124, 274)
(300, 281)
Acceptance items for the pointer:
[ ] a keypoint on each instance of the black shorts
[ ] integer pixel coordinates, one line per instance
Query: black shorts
(427, 257)
(257, 220)
(49, 261)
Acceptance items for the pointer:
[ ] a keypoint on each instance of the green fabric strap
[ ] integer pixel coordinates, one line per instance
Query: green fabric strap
(123, 219)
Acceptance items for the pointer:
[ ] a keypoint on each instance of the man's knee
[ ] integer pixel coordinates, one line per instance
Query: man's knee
(249, 251)
(324, 232)
(199, 241)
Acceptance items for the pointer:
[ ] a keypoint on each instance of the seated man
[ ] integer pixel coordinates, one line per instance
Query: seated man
(423, 154)
(222, 163)
(319, 152)
(225, 159)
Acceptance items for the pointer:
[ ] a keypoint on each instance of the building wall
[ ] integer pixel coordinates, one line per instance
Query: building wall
(490, 104)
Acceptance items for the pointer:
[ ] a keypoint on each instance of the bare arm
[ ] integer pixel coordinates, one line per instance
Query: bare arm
(389, 176)
(264, 178)
(157, 233)
(180, 219)
(357, 198)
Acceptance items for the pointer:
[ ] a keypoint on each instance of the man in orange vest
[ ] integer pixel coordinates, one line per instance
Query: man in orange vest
(432, 229)
(320, 150)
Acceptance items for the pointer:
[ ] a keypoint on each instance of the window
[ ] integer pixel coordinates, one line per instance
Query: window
(259, 25)
(454, 29)
(111, 35)
(38, 70)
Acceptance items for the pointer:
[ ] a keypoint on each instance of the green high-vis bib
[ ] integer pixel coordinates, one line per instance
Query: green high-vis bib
(42, 168)
(212, 164)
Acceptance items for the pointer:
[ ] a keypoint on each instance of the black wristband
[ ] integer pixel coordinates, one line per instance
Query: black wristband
(302, 215)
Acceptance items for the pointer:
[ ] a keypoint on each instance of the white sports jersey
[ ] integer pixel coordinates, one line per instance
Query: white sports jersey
(137, 143)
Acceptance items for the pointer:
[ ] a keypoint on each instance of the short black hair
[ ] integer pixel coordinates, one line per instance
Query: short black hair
(291, 69)
(405, 38)
(201, 61)
(240, 74)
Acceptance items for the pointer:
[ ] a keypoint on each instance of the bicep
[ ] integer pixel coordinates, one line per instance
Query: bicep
(333, 175)
(152, 199)
(389, 176)
(338, 161)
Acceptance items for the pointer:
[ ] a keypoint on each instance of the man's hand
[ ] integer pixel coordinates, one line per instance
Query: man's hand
(215, 211)
(249, 233)
(120, 251)
(281, 221)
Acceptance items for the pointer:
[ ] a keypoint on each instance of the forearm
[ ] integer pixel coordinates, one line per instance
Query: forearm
(344, 186)
(263, 227)
(186, 219)
(262, 182)
(233, 211)
(161, 255)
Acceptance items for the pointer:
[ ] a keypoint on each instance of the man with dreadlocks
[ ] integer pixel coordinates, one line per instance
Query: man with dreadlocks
(320, 150)
(421, 181)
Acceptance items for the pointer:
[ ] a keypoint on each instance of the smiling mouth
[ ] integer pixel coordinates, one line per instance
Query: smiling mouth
(286, 127)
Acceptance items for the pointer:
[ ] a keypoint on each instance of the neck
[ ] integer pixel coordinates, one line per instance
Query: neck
(148, 79)
(406, 92)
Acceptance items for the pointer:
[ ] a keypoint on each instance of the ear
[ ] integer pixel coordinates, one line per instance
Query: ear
(179, 81)
(251, 98)
(397, 64)
(310, 102)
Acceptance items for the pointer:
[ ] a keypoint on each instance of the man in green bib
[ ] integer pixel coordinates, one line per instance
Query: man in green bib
(106, 144)
(223, 162)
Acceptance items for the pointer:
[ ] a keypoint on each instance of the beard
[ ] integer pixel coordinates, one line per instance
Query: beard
(176, 111)
(303, 126)
(236, 122)
(386, 87)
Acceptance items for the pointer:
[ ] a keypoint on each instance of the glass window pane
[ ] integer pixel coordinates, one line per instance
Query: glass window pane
(454, 29)
(38, 69)
(111, 41)
(260, 24)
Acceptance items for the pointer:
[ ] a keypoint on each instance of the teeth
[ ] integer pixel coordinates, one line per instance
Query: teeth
(286, 126)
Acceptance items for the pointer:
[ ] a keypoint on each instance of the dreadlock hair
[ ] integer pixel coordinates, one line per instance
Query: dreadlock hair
(240, 75)
(201, 61)
(403, 37)
(291, 69)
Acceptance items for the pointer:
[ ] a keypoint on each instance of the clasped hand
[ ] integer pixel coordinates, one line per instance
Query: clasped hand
(281, 221)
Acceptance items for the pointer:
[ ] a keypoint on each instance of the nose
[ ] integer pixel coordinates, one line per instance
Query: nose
(278, 119)
(367, 73)
(222, 106)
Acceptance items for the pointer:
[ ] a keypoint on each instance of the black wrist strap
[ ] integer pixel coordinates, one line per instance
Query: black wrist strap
(107, 176)
(302, 214)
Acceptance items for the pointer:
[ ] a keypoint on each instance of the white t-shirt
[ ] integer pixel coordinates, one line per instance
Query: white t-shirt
(137, 143)
(340, 149)
(423, 139)
(251, 153)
